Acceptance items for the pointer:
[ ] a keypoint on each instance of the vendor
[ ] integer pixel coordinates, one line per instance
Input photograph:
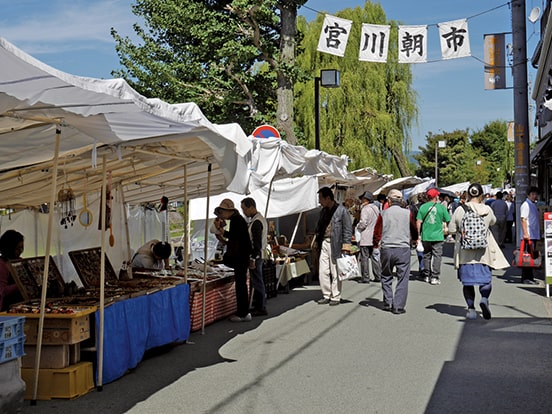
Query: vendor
(153, 255)
(11, 247)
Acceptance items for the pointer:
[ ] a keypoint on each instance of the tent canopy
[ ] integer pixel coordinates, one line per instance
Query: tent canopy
(145, 141)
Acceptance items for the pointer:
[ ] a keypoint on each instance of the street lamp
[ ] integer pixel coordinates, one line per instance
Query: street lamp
(329, 78)
(438, 144)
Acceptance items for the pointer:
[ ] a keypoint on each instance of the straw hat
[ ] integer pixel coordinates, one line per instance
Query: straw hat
(225, 204)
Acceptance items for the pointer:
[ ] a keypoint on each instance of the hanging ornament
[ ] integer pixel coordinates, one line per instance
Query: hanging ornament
(66, 200)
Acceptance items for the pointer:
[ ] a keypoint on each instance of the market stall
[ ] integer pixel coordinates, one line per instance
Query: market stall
(63, 132)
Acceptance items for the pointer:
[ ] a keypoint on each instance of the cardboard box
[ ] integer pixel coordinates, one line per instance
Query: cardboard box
(59, 329)
(70, 382)
(51, 356)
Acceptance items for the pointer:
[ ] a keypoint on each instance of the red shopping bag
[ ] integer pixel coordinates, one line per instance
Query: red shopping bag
(527, 256)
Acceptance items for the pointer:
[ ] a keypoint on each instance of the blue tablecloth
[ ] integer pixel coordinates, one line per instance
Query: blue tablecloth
(135, 325)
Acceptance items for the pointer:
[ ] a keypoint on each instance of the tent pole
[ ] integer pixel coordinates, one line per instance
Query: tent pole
(186, 235)
(205, 250)
(287, 251)
(46, 266)
(99, 386)
(268, 197)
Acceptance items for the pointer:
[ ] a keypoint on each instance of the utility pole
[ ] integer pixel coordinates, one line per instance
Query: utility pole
(521, 108)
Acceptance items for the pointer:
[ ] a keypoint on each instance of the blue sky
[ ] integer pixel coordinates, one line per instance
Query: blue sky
(74, 36)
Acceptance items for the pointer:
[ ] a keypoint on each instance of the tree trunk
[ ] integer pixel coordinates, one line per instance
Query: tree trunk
(284, 113)
(402, 164)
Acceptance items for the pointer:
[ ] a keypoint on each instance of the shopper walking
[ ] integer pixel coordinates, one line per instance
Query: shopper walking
(394, 233)
(432, 217)
(500, 210)
(369, 213)
(475, 264)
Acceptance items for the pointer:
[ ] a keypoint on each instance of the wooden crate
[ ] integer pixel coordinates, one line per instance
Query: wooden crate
(70, 382)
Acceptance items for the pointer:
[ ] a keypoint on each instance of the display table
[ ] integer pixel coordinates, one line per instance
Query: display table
(135, 325)
(220, 301)
(291, 270)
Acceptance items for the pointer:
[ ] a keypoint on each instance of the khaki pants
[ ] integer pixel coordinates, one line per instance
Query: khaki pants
(327, 273)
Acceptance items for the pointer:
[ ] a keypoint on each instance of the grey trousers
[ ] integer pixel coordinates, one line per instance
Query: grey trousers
(367, 257)
(398, 258)
(433, 254)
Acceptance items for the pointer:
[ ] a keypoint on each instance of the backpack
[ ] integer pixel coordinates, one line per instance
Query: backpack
(473, 231)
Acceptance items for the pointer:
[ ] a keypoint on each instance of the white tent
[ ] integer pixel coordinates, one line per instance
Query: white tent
(57, 127)
(145, 141)
(400, 183)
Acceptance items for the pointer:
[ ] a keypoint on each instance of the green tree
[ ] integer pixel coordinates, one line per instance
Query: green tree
(234, 58)
(492, 143)
(484, 156)
(369, 116)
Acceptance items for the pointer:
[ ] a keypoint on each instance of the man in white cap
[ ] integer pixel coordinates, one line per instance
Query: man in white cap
(394, 233)
(368, 216)
(238, 251)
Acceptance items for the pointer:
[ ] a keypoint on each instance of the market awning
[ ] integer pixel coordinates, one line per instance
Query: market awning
(146, 141)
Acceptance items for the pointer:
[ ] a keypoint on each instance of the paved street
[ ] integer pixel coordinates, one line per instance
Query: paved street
(352, 358)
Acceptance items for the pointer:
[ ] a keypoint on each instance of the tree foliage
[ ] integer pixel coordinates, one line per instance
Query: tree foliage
(484, 156)
(223, 55)
(369, 116)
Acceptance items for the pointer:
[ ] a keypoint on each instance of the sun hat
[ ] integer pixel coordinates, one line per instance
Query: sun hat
(395, 194)
(225, 204)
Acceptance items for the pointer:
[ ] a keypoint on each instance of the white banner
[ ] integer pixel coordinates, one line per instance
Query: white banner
(374, 43)
(334, 35)
(412, 44)
(455, 39)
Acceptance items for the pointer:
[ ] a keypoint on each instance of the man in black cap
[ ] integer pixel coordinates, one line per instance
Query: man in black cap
(368, 216)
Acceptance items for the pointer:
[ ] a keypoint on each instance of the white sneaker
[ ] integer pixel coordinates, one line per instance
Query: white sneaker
(435, 281)
(236, 318)
(472, 314)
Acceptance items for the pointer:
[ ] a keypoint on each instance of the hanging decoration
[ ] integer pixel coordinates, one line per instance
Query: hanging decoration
(412, 40)
(66, 200)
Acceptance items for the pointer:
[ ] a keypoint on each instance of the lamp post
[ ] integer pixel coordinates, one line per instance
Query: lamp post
(438, 144)
(329, 78)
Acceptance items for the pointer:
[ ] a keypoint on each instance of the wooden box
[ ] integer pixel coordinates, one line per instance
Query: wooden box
(59, 329)
(70, 382)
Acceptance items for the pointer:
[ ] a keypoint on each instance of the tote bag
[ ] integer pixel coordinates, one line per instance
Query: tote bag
(526, 256)
(347, 267)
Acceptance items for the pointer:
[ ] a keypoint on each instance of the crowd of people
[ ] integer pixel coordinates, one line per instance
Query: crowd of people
(388, 228)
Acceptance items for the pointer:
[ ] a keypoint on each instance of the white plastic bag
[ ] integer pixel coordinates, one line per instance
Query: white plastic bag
(420, 247)
(347, 267)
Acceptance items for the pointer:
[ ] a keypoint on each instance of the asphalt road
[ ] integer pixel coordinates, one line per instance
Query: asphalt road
(351, 358)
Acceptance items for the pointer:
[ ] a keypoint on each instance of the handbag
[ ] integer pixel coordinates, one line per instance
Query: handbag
(347, 267)
(526, 256)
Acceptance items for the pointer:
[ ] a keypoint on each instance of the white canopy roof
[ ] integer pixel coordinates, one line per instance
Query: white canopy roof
(144, 140)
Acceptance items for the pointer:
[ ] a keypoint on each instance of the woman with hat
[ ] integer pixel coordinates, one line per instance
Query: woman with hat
(238, 250)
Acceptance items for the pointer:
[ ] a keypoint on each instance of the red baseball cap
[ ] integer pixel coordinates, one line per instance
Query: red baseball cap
(433, 192)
